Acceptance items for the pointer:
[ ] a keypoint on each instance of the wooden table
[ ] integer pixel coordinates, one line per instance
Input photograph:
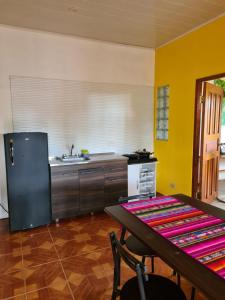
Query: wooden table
(207, 281)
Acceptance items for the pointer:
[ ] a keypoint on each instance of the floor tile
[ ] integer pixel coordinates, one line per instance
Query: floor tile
(11, 284)
(80, 221)
(33, 231)
(90, 288)
(50, 293)
(10, 245)
(10, 263)
(126, 273)
(90, 219)
(54, 226)
(64, 224)
(79, 246)
(13, 236)
(38, 256)
(85, 264)
(19, 297)
(72, 248)
(90, 275)
(5, 234)
(85, 260)
(160, 267)
(100, 216)
(105, 228)
(93, 228)
(41, 240)
(63, 234)
(102, 241)
(92, 285)
(47, 275)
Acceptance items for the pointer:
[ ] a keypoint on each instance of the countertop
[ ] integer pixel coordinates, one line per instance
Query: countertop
(101, 157)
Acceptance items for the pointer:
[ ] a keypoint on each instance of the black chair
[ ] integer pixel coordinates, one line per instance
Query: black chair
(142, 286)
(193, 292)
(138, 248)
(132, 243)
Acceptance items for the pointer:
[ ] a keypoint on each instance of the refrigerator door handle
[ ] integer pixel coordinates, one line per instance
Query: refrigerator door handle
(11, 152)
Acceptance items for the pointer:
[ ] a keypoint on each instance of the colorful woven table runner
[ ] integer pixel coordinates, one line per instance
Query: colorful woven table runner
(197, 233)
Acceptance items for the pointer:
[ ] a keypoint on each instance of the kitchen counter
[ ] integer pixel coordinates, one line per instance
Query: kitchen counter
(83, 187)
(94, 158)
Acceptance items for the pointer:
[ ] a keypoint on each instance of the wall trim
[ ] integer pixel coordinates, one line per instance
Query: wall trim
(77, 37)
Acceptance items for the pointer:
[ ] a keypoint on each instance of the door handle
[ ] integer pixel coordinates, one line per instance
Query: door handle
(11, 152)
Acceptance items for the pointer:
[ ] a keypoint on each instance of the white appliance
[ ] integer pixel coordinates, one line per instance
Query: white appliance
(142, 179)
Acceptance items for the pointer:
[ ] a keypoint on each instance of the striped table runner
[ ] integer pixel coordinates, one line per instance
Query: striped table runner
(197, 233)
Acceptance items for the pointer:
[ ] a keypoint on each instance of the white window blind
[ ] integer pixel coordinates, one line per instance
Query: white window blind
(100, 117)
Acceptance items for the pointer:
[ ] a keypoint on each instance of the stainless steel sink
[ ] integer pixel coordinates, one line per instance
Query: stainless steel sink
(76, 159)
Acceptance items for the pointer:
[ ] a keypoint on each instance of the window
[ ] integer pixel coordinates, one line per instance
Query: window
(162, 113)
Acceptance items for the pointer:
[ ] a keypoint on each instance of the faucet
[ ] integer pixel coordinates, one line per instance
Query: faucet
(71, 150)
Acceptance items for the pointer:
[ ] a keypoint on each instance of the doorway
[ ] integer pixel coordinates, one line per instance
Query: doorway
(207, 182)
(221, 176)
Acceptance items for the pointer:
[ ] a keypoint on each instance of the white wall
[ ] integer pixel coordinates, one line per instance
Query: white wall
(37, 54)
(100, 117)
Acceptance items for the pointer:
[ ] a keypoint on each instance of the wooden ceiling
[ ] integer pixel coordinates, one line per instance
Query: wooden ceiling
(146, 23)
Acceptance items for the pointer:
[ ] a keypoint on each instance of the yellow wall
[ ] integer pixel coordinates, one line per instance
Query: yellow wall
(199, 54)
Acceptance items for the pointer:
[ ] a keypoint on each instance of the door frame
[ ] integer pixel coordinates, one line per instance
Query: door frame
(197, 128)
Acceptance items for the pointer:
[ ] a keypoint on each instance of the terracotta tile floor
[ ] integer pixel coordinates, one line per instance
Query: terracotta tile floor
(69, 260)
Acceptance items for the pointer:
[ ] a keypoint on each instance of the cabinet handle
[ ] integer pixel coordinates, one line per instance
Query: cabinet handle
(115, 179)
(137, 185)
(68, 174)
(115, 169)
(89, 171)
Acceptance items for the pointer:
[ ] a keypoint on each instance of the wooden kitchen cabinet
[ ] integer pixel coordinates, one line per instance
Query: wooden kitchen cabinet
(64, 192)
(91, 189)
(84, 188)
(115, 182)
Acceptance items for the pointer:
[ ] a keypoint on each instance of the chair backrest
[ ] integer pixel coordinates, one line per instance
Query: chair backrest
(119, 252)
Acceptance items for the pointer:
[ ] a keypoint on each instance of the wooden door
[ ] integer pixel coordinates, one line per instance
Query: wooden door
(210, 135)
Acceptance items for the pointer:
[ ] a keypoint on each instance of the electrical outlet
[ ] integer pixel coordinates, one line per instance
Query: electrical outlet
(172, 185)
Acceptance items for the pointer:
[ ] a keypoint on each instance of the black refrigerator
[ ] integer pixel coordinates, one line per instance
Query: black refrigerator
(28, 180)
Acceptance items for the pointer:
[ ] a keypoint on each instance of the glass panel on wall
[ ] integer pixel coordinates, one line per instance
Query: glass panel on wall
(162, 113)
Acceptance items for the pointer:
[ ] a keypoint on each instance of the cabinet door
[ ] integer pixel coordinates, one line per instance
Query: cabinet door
(91, 189)
(114, 189)
(133, 179)
(115, 182)
(65, 193)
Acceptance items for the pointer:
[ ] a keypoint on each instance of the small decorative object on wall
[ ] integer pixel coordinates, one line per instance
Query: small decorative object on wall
(162, 116)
